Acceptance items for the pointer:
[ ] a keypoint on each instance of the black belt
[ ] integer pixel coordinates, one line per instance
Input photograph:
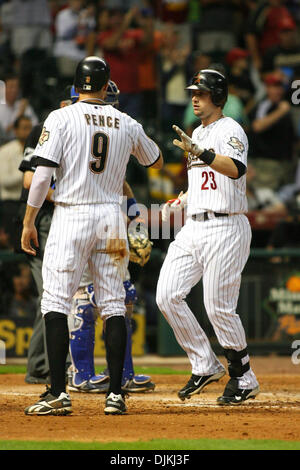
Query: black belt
(204, 216)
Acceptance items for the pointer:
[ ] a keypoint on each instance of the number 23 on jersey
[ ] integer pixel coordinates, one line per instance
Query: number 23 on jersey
(208, 180)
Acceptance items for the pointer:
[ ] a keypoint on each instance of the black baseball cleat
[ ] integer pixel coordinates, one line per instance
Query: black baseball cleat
(236, 396)
(51, 405)
(197, 383)
(115, 405)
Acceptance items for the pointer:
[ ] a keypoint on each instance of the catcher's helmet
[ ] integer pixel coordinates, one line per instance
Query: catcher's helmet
(74, 95)
(112, 94)
(91, 74)
(214, 82)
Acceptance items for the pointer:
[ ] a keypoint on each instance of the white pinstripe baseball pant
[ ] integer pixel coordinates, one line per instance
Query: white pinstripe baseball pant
(215, 250)
(72, 242)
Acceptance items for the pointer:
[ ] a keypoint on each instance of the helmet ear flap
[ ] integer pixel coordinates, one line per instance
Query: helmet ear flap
(218, 97)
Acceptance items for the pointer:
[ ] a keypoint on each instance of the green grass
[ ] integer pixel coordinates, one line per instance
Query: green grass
(162, 444)
(12, 369)
(21, 369)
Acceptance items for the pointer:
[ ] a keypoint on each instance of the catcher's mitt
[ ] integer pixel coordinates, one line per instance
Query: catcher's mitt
(139, 244)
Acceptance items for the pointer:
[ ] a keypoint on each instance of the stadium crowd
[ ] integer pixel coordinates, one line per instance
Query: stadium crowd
(154, 48)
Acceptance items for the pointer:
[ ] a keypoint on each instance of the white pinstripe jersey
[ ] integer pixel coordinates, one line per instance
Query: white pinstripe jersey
(208, 189)
(92, 144)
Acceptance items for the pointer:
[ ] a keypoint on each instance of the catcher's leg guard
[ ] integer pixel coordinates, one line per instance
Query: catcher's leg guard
(131, 382)
(82, 340)
(130, 298)
(128, 371)
(130, 290)
(81, 374)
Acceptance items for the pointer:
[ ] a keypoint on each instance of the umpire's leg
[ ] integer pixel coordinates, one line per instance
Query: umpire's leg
(37, 359)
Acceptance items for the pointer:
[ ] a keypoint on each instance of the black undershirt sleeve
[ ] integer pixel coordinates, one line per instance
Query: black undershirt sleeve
(40, 161)
(241, 168)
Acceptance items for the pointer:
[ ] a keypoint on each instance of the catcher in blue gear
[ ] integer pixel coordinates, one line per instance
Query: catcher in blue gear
(81, 374)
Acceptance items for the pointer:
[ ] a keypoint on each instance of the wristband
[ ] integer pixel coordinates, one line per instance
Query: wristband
(132, 208)
(207, 156)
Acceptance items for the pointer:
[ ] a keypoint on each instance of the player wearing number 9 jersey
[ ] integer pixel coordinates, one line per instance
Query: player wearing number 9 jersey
(213, 245)
(95, 140)
(89, 145)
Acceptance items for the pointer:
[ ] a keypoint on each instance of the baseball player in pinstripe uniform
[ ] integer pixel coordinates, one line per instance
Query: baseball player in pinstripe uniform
(213, 245)
(89, 145)
(81, 373)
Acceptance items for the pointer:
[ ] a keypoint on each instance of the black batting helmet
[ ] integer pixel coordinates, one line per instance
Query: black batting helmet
(214, 82)
(91, 74)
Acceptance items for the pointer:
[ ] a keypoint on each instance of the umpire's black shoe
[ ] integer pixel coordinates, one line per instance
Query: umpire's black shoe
(197, 383)
(30, 379)
(233, 395)
(115, 405)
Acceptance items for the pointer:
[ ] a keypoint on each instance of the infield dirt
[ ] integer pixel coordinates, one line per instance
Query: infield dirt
(274, 414)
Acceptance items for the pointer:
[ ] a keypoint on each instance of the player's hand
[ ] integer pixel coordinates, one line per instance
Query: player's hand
(29, 233)
(173, 205)
(186, 142)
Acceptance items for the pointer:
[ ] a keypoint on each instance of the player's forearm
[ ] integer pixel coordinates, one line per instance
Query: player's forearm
(225, 166)
(159, 162)
(127, 191)
(30, 216)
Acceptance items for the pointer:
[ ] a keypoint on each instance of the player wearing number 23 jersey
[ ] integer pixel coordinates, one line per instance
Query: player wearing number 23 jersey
(213, 245)
(217, 193)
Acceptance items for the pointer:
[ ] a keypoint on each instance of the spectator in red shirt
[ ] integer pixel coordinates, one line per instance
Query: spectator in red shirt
(121, 46)
(284, 57)
(239, 76)
(264, 28)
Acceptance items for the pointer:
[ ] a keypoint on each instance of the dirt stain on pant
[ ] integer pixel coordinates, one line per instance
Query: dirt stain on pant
(116, 248)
